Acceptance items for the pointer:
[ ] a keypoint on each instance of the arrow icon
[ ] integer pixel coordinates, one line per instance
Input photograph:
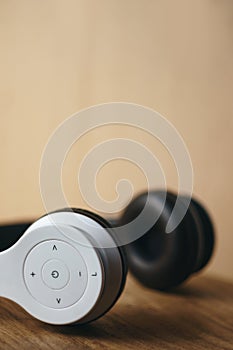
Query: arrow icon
(58, 300)
(94, 274)
(54, 247)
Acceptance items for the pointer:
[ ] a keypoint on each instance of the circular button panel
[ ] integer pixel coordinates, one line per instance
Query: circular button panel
(55, 274)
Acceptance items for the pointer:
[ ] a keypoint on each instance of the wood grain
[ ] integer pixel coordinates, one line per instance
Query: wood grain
(198, 315)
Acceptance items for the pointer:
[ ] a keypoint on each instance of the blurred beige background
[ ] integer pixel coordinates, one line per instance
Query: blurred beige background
(173, 56)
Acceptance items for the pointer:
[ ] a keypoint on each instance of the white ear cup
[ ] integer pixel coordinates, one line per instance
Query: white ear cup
(58, 271)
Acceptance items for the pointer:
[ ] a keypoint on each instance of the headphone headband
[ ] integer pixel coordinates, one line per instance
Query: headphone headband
(10, 234)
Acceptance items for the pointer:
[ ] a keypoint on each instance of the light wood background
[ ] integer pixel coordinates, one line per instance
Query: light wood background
(176, 57)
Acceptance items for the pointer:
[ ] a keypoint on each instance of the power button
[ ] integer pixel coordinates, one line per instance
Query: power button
(55, 274)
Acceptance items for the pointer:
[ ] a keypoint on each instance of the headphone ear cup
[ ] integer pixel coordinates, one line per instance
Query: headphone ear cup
(157, 259)
(113, 261)
(206, 237)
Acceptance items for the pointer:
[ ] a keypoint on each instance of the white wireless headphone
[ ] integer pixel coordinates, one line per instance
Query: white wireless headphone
(68, 266)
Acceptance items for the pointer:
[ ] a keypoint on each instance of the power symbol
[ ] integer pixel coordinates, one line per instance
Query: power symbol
(55, 274)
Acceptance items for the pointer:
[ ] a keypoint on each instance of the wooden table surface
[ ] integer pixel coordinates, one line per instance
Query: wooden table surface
(199, 315)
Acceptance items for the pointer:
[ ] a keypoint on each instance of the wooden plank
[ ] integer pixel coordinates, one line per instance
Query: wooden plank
(198, 315)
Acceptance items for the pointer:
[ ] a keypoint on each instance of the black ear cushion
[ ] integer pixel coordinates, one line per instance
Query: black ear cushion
(206, 234)
(157, 259)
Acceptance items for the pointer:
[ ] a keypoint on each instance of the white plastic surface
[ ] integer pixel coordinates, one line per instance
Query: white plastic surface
(55, 274)
(77, 300)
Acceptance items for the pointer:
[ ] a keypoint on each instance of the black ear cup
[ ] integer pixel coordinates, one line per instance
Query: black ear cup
(160, 260)
(206, 235)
